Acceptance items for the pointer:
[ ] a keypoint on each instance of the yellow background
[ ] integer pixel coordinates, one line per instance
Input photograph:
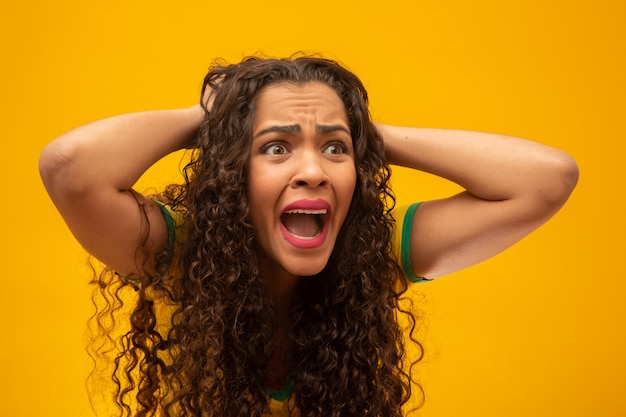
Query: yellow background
(537, 331)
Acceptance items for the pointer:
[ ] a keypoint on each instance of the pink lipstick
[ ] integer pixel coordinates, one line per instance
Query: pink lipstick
(304, 223)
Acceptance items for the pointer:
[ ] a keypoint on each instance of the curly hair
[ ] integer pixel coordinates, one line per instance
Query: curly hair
(201, 333)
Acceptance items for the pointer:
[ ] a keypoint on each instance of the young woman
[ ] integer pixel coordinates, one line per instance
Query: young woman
(268, 282)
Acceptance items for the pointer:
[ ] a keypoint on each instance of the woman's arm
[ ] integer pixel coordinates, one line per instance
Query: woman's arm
(89, 173)
(512, 187)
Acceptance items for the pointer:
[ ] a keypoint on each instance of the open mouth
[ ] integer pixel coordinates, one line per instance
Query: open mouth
(304, 224)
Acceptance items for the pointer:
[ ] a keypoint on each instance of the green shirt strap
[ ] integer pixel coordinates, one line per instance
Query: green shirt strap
(171, 226)
(405, 254)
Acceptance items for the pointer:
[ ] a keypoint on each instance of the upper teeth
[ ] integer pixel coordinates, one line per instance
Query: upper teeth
(305, 211)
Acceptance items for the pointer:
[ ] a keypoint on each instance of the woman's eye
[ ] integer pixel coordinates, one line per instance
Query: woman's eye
(275, 149)
(335, 149)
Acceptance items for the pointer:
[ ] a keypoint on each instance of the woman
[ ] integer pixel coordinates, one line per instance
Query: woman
(268, 282)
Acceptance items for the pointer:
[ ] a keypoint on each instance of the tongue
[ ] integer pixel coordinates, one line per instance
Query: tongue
(305, 225)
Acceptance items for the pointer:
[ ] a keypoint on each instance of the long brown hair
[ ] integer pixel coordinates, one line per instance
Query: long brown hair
(202, 332)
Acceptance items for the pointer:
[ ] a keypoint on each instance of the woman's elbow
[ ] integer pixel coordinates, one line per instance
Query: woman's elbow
(58, 169)
(558, 181)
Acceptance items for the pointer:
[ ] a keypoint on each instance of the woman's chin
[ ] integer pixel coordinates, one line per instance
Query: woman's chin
(306, 270)
(292, 267)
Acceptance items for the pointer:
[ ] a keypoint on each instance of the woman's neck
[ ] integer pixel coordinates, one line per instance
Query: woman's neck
(280, 285)
(283, 289)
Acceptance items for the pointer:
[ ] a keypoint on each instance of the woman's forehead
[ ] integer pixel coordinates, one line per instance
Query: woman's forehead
(285, 101)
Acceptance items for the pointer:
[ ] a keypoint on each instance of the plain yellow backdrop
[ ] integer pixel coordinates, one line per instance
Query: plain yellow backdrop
(536, 331)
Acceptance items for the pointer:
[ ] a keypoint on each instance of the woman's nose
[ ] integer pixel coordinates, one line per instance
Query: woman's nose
(309, 171)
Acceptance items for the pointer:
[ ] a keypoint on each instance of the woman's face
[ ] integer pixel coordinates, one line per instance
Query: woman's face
(302, 176)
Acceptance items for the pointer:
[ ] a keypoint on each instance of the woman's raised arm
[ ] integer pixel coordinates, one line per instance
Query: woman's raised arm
(512, 187)
(89, 173)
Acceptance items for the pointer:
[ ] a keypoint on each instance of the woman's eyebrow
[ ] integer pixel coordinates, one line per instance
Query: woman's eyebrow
(320, 129)
(279, 128)
(323, 129)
